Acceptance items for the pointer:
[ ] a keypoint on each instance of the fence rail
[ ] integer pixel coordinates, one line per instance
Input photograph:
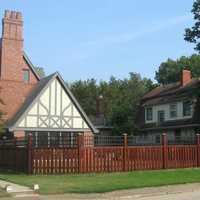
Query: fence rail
(85, 154)
(67, 141)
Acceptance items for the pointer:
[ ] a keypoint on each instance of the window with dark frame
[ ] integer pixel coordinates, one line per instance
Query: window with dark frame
(26, 75)
(161, 116)
(177, 135)
(157, 139)
(173, 110)
(187, 108)
(149, 114)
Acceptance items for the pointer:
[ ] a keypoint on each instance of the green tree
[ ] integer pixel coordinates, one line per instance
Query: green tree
(40, 71)
(192, 34)
(170, 70)
(120, 98)
(86, 92)
(123, 97)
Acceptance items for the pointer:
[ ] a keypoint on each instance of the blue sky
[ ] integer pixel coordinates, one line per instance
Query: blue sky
(97, 39)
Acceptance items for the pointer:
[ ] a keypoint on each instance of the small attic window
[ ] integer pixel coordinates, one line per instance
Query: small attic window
(26, 76)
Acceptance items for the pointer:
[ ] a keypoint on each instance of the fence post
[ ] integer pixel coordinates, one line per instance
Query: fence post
(30, 141)
(80, 155)
(164, 150)
(125, 152)
(198, 150)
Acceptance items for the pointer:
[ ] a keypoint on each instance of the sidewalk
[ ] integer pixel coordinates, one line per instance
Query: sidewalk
(175, 192)
(17, 190)
(135, 194)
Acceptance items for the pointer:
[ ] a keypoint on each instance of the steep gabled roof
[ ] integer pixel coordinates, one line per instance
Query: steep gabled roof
(38, 88)
(165, 93)
(30, 64)
(42, 84)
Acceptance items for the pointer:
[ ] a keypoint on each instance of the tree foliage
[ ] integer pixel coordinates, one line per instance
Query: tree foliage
(86, 92)
(170, 70)
(192, 34)
(120, 99)
(40, 71)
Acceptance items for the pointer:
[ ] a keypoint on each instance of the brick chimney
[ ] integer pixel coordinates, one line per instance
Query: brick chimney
(100, 106)
(11, 46)
(186, 77)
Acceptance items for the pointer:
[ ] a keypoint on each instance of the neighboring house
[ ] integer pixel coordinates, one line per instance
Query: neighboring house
(99, 119)
(34, 105)
(173, 109)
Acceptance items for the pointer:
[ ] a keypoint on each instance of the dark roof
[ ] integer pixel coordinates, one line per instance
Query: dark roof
(30, 64)
(172, 88)
(37, 90)
(171, 124)
(100, 122)
(165, 99)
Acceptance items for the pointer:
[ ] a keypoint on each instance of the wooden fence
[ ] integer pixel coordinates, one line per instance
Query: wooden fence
(86, 157)
(14, 158)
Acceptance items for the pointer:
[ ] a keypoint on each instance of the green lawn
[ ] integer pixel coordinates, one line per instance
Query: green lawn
(96, 183)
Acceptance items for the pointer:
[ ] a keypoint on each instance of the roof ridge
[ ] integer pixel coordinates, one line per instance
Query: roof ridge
(163, 90)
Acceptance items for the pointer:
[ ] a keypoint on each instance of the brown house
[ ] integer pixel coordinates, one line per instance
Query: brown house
(172, 108)
(41, 106)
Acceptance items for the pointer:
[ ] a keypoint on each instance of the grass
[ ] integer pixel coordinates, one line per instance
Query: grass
(98, 183)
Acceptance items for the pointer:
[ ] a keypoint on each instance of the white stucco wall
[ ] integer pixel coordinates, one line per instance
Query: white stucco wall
(54, 105)
(166, 109)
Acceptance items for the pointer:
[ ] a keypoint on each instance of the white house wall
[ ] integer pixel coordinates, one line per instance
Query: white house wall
(166, 109)
(53, 109)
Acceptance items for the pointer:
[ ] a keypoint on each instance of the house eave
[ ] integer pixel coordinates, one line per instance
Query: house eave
(11, 129)
(169, 127)
(31, 66)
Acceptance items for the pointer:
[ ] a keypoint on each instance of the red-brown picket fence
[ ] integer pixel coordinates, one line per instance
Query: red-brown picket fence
(13, 158)
(85, 157)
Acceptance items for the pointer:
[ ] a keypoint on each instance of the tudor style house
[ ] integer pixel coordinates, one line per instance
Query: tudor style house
(173, 108)
(41, 106)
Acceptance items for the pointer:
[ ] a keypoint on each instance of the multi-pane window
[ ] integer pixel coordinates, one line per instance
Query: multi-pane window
(173, 110)
(187, 108)
(26, 75)
(161, 116)
(149, 114)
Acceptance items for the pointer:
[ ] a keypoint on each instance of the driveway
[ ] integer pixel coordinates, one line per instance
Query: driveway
(176, 192)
